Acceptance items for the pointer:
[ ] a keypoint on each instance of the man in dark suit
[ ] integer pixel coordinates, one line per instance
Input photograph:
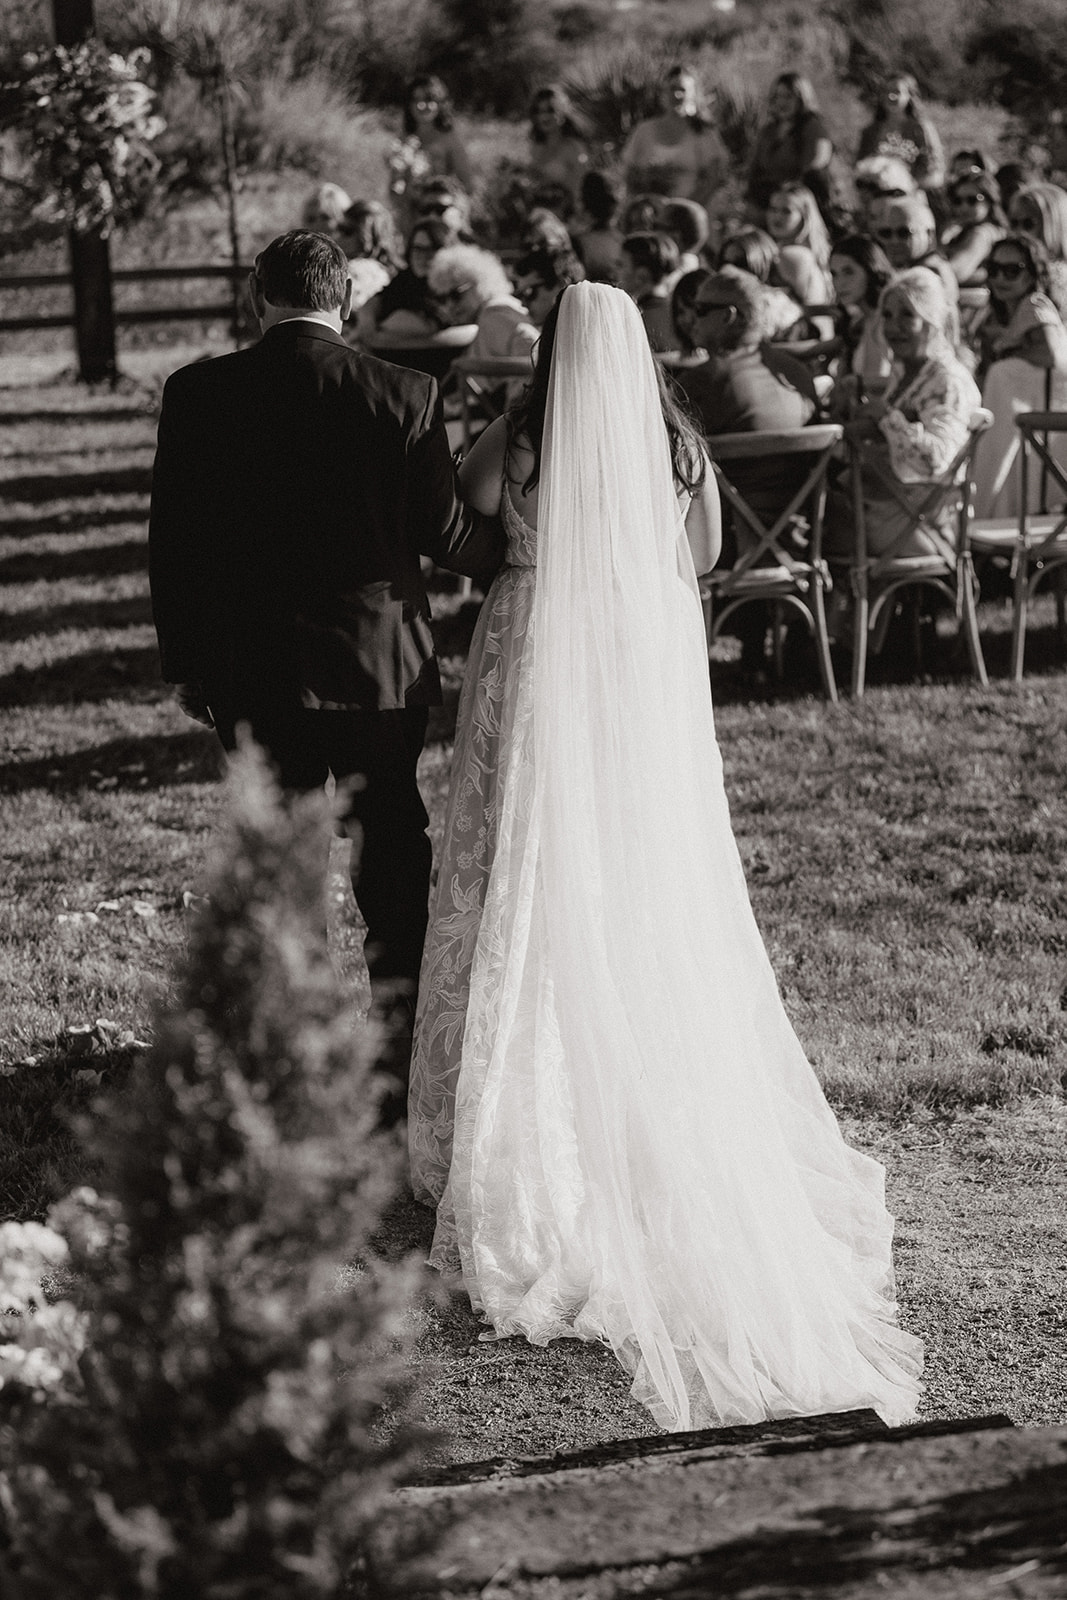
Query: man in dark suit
(296, 485)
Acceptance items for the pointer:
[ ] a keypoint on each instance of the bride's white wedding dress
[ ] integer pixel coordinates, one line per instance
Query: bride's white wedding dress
(641, 1153)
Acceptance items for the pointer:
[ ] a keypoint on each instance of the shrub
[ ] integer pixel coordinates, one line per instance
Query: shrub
(217, 1435)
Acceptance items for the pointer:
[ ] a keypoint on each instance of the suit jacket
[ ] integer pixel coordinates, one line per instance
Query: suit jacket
(296, 485)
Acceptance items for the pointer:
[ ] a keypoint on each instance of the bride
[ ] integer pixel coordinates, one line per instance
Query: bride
(609, 1107)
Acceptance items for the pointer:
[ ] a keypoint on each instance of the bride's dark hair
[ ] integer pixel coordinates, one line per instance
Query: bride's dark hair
(526, 419)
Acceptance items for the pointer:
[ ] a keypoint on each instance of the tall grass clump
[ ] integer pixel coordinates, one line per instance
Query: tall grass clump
(194, 1410)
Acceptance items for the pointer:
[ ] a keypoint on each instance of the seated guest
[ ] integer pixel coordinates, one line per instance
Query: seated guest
(405, 305)
(755, 251)
(649, 262)
(367, 232)
(1021, 346)
(368, 278)
(686, 223)
(543, 230)
(471, 285)
(860, 270)
(877, 179)
(914, 430)
(539, 277)
(324, 209)
(598, 242)
(907, 233)
(746, 387)
(641, 214)
(686, 351)
(795, 223)
(447, 200)
(977, 223)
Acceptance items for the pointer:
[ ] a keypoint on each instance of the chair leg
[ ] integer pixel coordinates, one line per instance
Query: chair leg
(969, 619)
(1018, 624)
(777, 653)
(861, 618)
(822, 643)
(1061, 606)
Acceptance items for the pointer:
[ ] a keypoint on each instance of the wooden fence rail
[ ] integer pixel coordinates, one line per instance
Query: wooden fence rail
(214, 311)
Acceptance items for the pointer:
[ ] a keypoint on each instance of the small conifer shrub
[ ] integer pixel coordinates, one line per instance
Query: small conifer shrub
(201, 1419)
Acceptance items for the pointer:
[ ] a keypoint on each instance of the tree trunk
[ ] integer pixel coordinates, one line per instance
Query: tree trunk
(90, 261)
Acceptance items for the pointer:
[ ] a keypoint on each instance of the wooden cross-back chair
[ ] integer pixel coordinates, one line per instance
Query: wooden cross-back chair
(1035, 540)
(775, 567)
(878, 578)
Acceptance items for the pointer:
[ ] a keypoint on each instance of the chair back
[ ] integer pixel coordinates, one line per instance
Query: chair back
(1037, 429)
(807, 504)
(951, 487)
(482, 387)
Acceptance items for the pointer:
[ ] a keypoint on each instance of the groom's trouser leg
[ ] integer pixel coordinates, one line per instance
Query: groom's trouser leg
(377, 752)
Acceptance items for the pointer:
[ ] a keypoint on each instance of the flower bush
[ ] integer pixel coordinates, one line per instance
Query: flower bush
(201, 1409)
(86, 120)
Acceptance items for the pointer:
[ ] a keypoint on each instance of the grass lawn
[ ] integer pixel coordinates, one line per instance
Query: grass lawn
(906, 861)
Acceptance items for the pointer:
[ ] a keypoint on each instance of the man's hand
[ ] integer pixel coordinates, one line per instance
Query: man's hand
(190, 696)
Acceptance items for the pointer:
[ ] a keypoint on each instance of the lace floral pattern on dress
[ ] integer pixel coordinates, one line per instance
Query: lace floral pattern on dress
(484, 731)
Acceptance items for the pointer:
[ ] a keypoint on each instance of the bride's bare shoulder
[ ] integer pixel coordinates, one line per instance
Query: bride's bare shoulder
(493, 456)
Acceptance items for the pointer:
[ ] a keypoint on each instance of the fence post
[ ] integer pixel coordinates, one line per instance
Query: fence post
(90, 260)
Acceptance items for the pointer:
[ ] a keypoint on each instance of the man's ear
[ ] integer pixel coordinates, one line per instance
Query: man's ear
(256, 295)
(346, 300)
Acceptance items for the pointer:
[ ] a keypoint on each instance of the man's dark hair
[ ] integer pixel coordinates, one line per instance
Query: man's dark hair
(601, 198)
(654, 251)
(304, 271)
(555, 268)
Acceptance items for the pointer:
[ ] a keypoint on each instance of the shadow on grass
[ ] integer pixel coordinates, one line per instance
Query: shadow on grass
(67, 485)
(43, 620)
(74, 520)
(156, 762)
(975, 1530)
(103, 561)
(72, 415)
(92, 676)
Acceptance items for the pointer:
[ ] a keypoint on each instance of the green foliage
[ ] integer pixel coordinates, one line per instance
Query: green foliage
(1020, 59)
(218, 1433)
(493, 53)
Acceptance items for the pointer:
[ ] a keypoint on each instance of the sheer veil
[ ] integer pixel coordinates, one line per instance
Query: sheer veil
(642, 1152)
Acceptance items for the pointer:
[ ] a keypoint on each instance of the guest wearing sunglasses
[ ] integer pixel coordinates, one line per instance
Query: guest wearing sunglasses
(1040, 211)
(471, 285)
(540, 275)
(977, 223)
(907, 233)
(1021, 344)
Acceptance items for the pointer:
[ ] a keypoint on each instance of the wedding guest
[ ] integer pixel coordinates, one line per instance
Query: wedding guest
(966, 164)
(649, 262)
(877, 179)
(539, 277)
(367, 232)
(1021, 345)
(445, 199)
(793, 146)
(428, 117)
(471, 285)
(795, 223)
(907, 233)
(1011, 177)
(687, 224)
(367, 278)
(915, 429)
(598, 241)
(686, 350)
(324, 209)
(977, 223)
(544, 230)
(900, 127)
(559, 148)
(641, 214)
(1040, 211)
(405, 305)
(745, 386)
(753, 250)
(860, 270)
(678, 152)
